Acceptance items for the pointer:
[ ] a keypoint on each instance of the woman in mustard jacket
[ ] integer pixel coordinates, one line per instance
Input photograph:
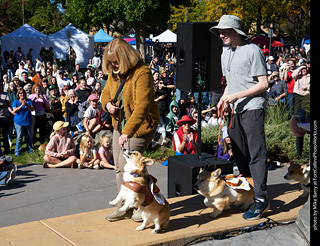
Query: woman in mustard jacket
(135, 114)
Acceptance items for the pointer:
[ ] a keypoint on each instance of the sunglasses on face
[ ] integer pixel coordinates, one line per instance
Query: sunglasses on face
(186, 123)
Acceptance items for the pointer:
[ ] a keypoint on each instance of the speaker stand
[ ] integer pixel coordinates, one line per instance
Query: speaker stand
(199, 124)
(200, 81)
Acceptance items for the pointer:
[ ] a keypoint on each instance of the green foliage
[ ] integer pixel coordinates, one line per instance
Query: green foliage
(288, 17)
(46, 19)
(41, 14)
(281, 144)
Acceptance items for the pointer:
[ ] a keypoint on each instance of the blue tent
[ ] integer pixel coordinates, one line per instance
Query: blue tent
(102, 36)
(148, 42)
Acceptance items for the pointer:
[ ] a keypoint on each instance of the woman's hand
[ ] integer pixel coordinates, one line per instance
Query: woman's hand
(123, 139)
(111, 109)
(191, 138)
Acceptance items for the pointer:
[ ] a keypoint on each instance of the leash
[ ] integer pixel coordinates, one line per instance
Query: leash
(114, 101)
(221, 109)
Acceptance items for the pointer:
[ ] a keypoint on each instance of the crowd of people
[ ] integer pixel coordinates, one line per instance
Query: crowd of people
(119, 92)
(32, 95)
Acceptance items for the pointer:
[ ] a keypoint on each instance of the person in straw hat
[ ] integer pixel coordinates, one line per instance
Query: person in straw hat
(60, 151)
(243, 64)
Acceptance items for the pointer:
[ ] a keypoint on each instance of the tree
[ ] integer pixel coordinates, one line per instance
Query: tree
(291, 15)
(138, 14)
(41, 14)
(46, 19)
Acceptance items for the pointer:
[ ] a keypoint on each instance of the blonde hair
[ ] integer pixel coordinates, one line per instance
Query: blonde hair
(84, 140)
(126, 56)
(102, 138)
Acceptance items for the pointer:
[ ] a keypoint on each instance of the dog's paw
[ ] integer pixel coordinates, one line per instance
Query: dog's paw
(155, 231)
(122, 210)
(215, 213)
(112, 203)
(140, 228)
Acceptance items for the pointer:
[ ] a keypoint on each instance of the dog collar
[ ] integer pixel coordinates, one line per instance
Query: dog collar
(136, 175)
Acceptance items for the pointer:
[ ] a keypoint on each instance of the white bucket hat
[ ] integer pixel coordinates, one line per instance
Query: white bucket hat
(227, 22)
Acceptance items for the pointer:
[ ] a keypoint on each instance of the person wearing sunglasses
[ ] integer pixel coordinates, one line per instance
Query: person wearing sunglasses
(135, 114)
(185, 138)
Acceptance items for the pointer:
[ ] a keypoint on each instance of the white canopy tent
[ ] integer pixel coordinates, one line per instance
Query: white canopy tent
(166, 37)
(25, 37)
(81, 42)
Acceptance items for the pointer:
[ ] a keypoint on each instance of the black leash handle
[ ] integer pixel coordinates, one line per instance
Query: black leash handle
(114, 101)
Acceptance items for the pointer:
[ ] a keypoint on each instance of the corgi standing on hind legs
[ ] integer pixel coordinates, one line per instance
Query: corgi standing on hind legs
(140, 191)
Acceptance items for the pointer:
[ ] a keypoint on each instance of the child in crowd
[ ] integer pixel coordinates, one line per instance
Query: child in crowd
(105, 154)
(60, 149)
(92, 117)
(214, 119)
(172, 118)
(225, 148)
(88, 154)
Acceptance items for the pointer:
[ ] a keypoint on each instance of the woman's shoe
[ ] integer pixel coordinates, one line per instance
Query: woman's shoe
(117, 215)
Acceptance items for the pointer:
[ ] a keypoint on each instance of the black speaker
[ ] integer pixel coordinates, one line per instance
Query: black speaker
(198, 57)
(184, 169)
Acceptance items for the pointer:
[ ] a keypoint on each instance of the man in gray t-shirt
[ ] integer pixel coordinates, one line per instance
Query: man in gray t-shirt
(244, 66)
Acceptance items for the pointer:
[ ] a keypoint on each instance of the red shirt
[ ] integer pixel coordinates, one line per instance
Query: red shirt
(290, 82)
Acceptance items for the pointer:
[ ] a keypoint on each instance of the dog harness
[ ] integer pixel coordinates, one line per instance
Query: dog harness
(144, 189)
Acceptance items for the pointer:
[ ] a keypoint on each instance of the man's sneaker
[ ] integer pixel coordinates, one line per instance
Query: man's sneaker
(11, 175)
(256, 210)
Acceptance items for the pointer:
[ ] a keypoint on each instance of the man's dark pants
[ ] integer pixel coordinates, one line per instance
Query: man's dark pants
(249, 148)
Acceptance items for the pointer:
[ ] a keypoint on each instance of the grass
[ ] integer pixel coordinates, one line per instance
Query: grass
(281, 144)
(25, 158)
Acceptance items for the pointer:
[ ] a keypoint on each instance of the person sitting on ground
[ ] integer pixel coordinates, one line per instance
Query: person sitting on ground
(92, 116)
(278, 89)
(105, 153)
(83, 92)
(8, 170)
(185, 138)
(172, 117)
(60, 151)
(214, 119)
(88, 154)
(225, 148)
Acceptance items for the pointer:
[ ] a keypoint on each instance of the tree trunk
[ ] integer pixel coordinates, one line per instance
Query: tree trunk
(141, 40)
